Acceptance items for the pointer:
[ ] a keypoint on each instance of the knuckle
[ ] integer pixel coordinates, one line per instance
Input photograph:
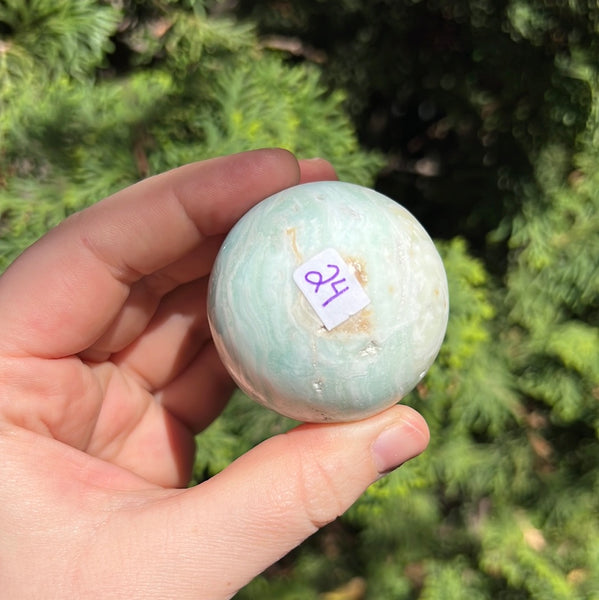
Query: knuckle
(321, 490)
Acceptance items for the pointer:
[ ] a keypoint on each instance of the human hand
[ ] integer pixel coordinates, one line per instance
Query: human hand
(107, 371)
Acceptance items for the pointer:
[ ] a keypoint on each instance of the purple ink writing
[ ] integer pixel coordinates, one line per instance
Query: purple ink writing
(330, 287)
(320, 281)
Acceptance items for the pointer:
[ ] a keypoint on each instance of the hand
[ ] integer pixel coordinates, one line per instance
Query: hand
(107, 371)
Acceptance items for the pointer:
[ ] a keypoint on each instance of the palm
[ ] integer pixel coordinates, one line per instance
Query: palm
(135, 388)
(134, 431)
(161, 383)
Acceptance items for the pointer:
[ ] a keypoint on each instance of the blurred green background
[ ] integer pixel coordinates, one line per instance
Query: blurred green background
(482, 118)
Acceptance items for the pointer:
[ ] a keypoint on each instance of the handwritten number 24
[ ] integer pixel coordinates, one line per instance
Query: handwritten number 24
(316, 279)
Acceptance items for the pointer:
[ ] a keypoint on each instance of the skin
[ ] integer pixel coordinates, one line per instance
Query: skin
(107, 371)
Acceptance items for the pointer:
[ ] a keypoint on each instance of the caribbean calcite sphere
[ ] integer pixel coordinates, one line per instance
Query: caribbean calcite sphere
(328, 302)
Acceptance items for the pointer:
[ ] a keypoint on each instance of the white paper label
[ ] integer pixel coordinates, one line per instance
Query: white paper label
(331, 288)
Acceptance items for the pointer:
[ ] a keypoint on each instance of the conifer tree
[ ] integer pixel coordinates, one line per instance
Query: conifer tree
(95, 95)
(499, 99)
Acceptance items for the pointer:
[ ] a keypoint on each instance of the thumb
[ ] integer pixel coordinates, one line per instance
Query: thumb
(264, 504)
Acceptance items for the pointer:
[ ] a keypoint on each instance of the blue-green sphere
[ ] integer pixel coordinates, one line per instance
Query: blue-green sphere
(277, 346)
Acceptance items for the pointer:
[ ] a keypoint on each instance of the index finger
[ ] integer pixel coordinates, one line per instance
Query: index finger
(59, 295)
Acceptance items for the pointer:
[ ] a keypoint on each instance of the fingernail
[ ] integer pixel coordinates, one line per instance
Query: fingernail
(396, 445)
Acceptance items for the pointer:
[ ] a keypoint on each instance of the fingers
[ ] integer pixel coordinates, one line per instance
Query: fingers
(171, 339)
(145, 294)
(199, 393)
(63, 293)
(176, 361)
(275, 496)
(316, 169)
(145, 299)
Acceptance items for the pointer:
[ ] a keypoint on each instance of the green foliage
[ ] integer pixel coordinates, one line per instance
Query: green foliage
(487, 114)
(461, 95)
(484, 120)
(49, 38)
(72, 134)
(511, 549)
(555, 248)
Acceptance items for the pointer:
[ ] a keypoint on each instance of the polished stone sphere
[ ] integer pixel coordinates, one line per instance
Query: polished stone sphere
(328, 302)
